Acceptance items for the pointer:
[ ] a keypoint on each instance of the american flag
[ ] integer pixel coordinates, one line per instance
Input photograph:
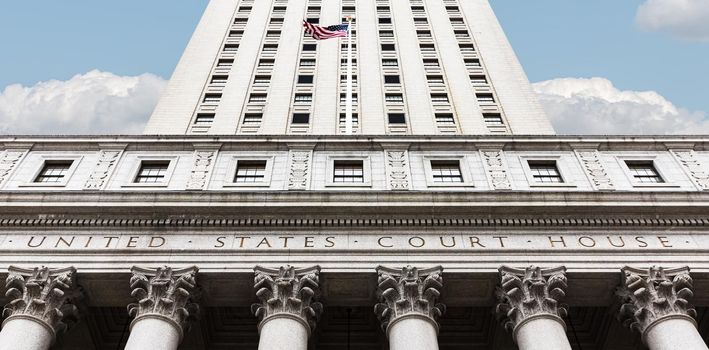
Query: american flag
(322, 33)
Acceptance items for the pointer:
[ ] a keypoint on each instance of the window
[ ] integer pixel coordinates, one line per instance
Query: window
(478, 80)
(390, 63)
(262, 79)
(427, 47)
(276, 20)
(231, 47)
(423, 33)
(420, 20)
(384, 20)
(301, 118)
(457, 20)
(307, 63)
(486, 98)
(348, 171)
(461, 34)
(472, 63)
(386, 34)
(309, 47)
(54, 171)
(250, 171)
(545, 171)
(225, 63)
(446, 171)
(303, 98)
(236, 33)
(388, 47)
(343, 98)
(644, 172)
(152, 172)
(439, 98)
(240, 20)
(219, 79)
(396, 118)
(343, 118)
(417, 9)
(252, 118)
(270, 48)
(313, 21)
(394, 98)
(204, 118)
(212, 98)
(273, 34)
(265, 63)
(392, 79)
(305, 79)
(430, 63)
(257, 98)
(445, 118)
(435, 79)
(467, 48)
(343, 79)
(493, 119)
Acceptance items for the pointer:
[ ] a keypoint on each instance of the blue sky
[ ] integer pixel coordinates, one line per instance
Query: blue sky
(43, 40)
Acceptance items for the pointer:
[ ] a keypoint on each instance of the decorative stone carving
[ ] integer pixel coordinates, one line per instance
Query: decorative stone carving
(591, 162)
(398, 169)
(166, 294)
(288, 292)
(654, 294)
(299, 170)
(530, 292)
(43, 294)
(694, 167)
(203, 161)
(496, 169)
(106, 162)
(8, 160)
(409, 292)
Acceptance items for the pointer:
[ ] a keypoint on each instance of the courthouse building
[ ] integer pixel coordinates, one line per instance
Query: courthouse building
(451, 217)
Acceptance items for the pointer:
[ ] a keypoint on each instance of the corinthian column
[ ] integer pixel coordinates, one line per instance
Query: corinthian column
(39, 308)
(530, 307)
(288, 311)
(164, 309)
(657, 305)
(409, 308)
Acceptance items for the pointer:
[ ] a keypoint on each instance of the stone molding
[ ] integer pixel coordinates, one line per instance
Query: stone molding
(107, 160)
(693, 167)
(43, 295)
(409, 292)
(530, 293)
(166, 294)
(497, 172)
(593, 166)
(288, 292)
(8, 161)
(653, 295)
(299, 163)
(202, 166)
(398, 172)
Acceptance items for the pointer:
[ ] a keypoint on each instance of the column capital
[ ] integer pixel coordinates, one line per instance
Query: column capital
(288, 292)
(165, 294)
(653, 295)
(530, 293)
(409, 292)
(43, 295)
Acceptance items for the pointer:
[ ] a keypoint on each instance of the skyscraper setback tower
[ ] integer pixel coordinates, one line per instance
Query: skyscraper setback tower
(421, 67)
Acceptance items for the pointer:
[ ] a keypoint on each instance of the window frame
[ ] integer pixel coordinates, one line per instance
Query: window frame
(463, 164)
(230, 180)
(75, 159)
(138, 163)
(366, 171)
(561, 167)
(668, 183)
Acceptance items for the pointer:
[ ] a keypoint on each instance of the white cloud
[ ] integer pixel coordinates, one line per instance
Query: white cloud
(92, 103)
(595, 106)
(684, 19)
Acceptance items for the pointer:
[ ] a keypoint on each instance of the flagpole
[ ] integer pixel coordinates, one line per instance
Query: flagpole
(348, 103)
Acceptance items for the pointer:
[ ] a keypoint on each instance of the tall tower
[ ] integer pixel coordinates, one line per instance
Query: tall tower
(421, 67)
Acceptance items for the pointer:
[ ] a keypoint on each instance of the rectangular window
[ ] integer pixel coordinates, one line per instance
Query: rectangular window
(445, 118)
(54, 171)
(467, 47)
(252, 118)
(461, 34)
(265, 63)
(225, 63)
(348, 171)
(386, 34)
(343, 98)
(384, 20)
(309, 47)
(219, 79)
(430, 63)
(392, 79)
(644, 172)
(236, 33)
(390, 63)
(343, 118)
(394, 98)
(257, 98)
(303, 98)
(152, 172)
(439, 98)
(427, 48)
(478, 80)
(270, 48)
(276, 20)
(307, 63)
(423, 33)
(435, 79)
(262, 79)
(472, 63)
(250, 171)
(305, 79)
(388, 47)
(204, 118)
(420, 20)
(446, 171)
(301, 118)
(396, 118)
(545, 171)
(493, 119)
(272, 34)
(212, 98)
(231, 48)
(485, 98)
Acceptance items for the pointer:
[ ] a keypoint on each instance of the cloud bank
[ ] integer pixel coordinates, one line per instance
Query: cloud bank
(683, 19)
(92, 103)
(595, 106)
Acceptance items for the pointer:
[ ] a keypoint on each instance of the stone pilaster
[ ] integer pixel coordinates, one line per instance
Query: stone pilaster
(533, 295)
(40, 306)
(288, 292)
(409, 292)
(653, 295)
(164, 294)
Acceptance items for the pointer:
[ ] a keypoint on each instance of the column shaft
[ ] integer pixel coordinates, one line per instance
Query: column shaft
(25, 334)
(413, 333)
(674, 333)
(153, 333)
(542, 333)
(283, 333)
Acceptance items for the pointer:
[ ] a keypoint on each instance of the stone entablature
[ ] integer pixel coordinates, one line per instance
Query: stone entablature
(586, 164)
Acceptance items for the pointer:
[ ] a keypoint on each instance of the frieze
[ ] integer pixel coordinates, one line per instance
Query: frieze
(105, 164)
(591, 161)
(694, 167)
(497, 172)
(203, 164)
(398, 169)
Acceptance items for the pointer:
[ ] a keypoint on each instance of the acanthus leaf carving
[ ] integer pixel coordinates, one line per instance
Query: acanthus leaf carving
(201, 167)
(398, 169)
(591, 161)
(694, 167)
(652, 294)
(530, 292)
(8, 161)
(44, 294)
(496, 169)
(166, 293)
(299, 170)
(106, 161)
(409, 291)
(289, 291)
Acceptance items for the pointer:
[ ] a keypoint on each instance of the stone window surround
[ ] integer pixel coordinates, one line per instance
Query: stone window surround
(366, 167)
(462, 163)
(76, 159)
(136, 168)
(234, 163)
(621, 159)
(560, 166)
